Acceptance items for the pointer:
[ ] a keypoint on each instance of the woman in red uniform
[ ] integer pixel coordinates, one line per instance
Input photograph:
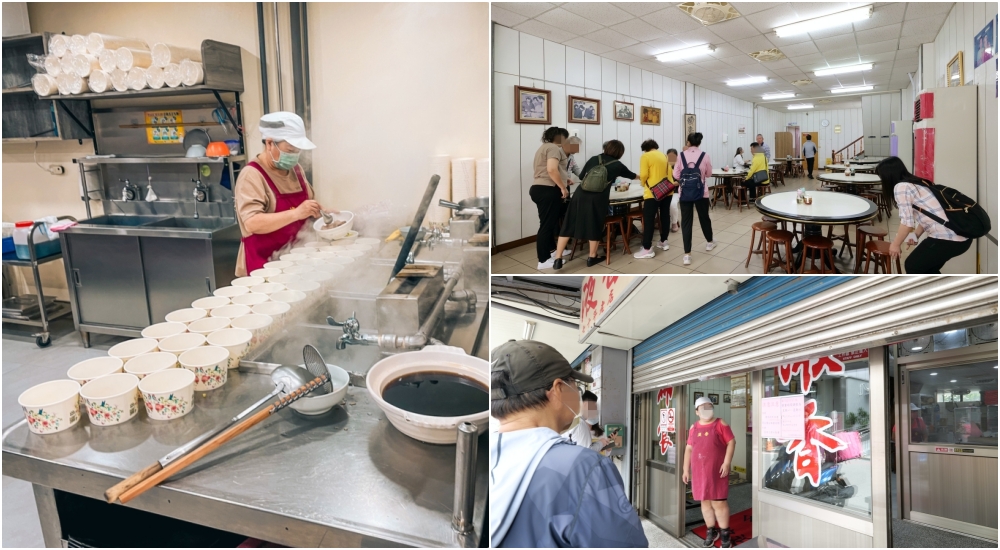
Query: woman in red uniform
(709, 451)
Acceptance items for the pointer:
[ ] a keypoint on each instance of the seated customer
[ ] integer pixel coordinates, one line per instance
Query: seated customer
(588, 209)
(544, 490)
(738, 161)
(757, 164)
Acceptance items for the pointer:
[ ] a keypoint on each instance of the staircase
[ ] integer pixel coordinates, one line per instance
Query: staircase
(851, 150)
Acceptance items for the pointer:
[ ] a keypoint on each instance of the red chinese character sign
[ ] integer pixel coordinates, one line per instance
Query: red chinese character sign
(667, 419)
(808, 451)
(598, 295)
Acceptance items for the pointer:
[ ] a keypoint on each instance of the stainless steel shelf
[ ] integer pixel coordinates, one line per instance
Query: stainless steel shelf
(159, 160)
(180, 90)
(18, 90)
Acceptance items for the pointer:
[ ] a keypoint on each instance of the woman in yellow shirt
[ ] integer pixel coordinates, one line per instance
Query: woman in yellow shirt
(757, 164)
(654, 167)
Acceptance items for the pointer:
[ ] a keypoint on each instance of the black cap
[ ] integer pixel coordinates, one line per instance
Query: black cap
(531, 365)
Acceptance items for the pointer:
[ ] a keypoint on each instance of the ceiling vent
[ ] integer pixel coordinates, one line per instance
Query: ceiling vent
(825, 101)
(768, 55)
(801, 82)
(709, 13)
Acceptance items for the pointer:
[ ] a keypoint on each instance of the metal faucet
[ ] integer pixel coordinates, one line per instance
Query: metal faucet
(431, 237)
(200, 195)
(130, 192)
(352, 333)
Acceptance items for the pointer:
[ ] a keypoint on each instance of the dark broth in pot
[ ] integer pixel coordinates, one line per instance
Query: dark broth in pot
(436, 394)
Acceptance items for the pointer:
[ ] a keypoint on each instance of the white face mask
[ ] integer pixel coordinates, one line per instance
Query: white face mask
(576, 415)
(590, 417)
(706, 413)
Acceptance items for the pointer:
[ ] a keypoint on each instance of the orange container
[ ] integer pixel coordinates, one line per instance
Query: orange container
(217, 149)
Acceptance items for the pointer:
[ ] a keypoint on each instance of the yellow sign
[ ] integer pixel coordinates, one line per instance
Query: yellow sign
(739, 470)
(164, 127)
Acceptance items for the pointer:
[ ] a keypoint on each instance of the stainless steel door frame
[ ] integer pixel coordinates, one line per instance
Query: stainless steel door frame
(905, 365)
(645, 481)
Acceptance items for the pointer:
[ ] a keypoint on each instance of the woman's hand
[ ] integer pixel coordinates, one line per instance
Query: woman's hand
(686, 477)
(724, 470)
(308, 209)
(565, 192)
(894, 250)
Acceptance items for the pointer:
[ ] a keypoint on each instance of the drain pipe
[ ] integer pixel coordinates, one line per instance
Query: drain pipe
(277, 63)
(262, 51)
(466, 449)
(294, 23)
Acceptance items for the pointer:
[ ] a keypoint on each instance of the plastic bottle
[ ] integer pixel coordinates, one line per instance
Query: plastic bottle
(43, 247)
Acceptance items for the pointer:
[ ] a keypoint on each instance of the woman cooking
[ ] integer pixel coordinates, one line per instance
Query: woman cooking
(273, 198)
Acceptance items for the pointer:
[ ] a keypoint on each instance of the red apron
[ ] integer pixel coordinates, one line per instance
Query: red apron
(257, 249)
(708, 451)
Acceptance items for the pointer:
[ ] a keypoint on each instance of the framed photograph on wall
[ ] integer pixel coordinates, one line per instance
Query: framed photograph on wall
(651, 116)
(955, 71)
(690, 125)
(984, 45)
(714, 397)
(698, 394)
(532, 105)
(725, 398)
(583, 110)
(624, 110)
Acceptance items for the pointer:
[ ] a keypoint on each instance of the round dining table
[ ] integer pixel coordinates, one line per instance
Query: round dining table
(868, 160)
(853, 183)
(858, 167)
(725, 178)
(632, 194)
(827, 208)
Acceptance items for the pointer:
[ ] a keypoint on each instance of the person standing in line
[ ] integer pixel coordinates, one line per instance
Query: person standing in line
(581, 433)
(809, 152)
(767, 148)
(914, 200)
(653, 168)
(757, 164)
(695, 162)
(548, 191)
(546, 492)
(707, 458)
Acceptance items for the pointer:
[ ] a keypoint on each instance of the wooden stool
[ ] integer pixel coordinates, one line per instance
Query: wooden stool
(780, 223)
(779, 177)
(718, 192)
(633, 215)
(763, 190)
(874, 198)
(845, 238)
(609, 235)
(862, 236)
(880, 251)
(763, 228)
(740, 197)
(775, 238)
(823, 246)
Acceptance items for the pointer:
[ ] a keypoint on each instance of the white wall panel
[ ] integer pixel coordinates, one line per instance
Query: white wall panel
(532, 57)
(505, 50)
(621, 82)
(592, 71)
(575, 67)
(635, 82)
(657, 87)
(506, 160)
(647, 85)
(555, 62)
(609, 75)
(560, 107)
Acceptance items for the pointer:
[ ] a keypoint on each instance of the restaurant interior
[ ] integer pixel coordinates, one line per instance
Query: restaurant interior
(851, 77)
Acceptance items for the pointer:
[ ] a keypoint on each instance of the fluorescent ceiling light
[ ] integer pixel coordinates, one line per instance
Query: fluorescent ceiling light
(801, 106)
(825, 22)
(685, 53)
(842, 70)
(853, 89)
(777, 96)
(746, 81)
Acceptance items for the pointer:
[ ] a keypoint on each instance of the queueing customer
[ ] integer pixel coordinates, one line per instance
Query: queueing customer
(571, 146)
(738, 162)
(544, 490)
(757, 164)
(587, 209)
(709, 453)
(694, 163)
(767, 148)
(653, 169)
(547, 191)
(809, 152)
(911, 195)
(581, 433)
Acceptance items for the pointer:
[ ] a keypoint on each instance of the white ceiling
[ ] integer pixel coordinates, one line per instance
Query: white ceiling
(634, 32)
(510, 326)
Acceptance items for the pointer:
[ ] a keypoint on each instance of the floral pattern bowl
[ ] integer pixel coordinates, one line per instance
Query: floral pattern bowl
(52, 406)
(168, 394)
(130, 348)
(148, 363)
(266, 273)
(251, 299)
(183, 342)
(209, 365)
(208, 325)
(211, 302)
(186, 315)
(111, 399)
(260, 326)
(85, 371)
(159, 331)
(236, 340)
(230, 291)
(231, 311)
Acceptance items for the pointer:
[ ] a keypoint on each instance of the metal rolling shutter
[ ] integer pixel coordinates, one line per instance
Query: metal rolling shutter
(847, 314)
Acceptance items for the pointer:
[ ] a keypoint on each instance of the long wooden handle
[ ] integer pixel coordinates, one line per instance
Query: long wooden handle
(113, 493)
(213, 444)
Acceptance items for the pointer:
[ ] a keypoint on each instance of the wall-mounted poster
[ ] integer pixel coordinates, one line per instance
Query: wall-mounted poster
(165, 127)
(714, 398)
(584, 110)
(651, 116)
(532, 105)
(738, 385)
(726, 398)
(984, 44)
(624, 110)
(690, 125)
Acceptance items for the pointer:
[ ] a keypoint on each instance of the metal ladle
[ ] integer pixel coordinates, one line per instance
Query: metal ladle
(327, 218)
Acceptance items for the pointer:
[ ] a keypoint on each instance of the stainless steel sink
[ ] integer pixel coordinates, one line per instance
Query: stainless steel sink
(122, 221)
(192, 223)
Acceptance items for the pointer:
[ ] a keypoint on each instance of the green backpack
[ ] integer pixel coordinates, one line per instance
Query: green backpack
(596, 181)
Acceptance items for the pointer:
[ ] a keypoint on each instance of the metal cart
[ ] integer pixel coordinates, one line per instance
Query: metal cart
(20, 309)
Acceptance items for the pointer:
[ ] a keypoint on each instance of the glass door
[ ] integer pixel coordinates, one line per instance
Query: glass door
(665, 439)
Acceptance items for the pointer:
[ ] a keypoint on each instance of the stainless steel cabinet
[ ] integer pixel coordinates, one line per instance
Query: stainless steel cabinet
(107, 279)
(177, 271)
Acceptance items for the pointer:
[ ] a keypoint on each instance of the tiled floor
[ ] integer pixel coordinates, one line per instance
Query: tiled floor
(731, 230)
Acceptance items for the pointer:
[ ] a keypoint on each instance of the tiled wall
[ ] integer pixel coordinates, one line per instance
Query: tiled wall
(770, 121)
(964, 22)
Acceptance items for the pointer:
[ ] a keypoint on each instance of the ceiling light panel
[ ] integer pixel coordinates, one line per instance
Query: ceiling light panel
(825, 22)
(851, 89)
(845, 69)
(747, 81)
(777, 96)
(686, 53)
(800, 106)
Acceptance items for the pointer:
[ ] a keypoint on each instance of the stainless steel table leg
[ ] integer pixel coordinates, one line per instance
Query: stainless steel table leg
(48, 516)
(85, 336)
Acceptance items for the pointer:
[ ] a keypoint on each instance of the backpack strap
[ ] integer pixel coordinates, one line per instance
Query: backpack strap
(929, 215)
(930, 187)
(698, 164)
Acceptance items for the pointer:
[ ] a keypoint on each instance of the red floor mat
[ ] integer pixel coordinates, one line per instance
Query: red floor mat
(741, 525)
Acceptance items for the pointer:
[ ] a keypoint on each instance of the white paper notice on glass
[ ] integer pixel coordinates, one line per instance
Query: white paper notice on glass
(793, 419)
(770, 412)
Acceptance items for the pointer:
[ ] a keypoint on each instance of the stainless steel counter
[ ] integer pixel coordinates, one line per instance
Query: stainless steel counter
(347, 479)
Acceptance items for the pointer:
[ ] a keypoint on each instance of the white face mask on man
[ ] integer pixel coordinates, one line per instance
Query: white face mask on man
(579, 407)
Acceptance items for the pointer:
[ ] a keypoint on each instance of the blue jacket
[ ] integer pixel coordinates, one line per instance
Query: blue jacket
(570, 496)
